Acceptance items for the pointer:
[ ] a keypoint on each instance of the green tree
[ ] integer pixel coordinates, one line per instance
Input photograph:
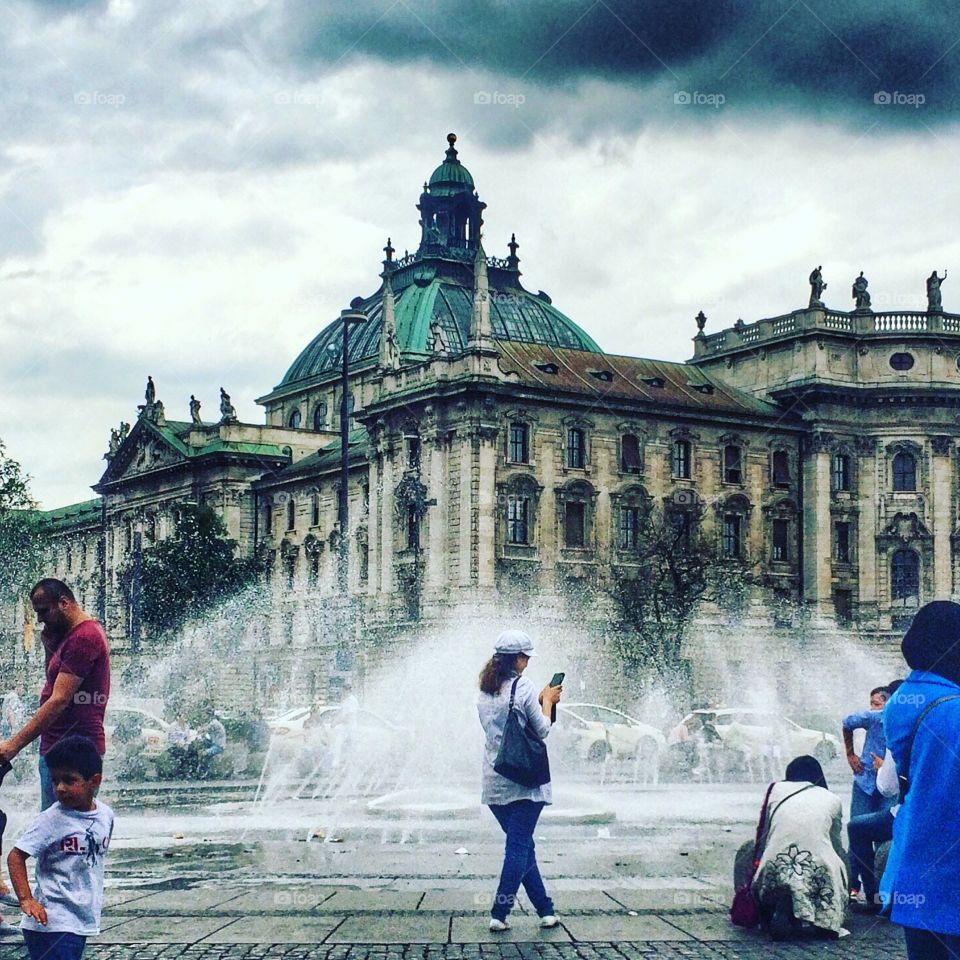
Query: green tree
(184, 576)
(673, 571)
(21, 537)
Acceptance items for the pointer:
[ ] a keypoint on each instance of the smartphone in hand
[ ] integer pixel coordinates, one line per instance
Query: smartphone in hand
(555, 681)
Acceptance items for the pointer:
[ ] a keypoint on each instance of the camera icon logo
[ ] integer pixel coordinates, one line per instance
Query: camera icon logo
(682, 97)
(482, 97)
(882, 97)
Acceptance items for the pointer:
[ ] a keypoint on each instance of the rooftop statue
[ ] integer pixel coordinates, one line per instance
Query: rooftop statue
(195, 409)
(859, 293)
(817, 286)
(934, 302)
(228, 413)
(150, 394)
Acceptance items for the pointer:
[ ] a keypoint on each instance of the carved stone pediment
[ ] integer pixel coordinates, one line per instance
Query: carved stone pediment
(906, 527)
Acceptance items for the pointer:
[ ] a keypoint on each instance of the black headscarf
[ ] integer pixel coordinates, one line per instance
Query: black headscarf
(806, 770)
(933, 640)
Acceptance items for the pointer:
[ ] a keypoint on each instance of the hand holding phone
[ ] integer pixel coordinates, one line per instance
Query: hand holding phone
(557, 679)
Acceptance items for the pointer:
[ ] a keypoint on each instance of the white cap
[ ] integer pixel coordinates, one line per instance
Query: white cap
(515, 641)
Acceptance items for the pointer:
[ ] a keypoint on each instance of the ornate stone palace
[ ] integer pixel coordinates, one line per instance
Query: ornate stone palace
(497, 452)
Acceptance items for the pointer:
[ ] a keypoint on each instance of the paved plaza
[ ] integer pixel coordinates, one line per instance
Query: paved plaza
(306, 920)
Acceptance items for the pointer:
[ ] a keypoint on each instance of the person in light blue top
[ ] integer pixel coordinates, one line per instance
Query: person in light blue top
(865, 797)
(921, 883)
(516, 807)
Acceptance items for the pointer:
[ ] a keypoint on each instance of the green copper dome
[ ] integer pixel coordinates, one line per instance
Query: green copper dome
(451, 176)
(447, 307)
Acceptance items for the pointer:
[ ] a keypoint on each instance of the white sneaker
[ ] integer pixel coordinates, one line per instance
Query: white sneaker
(549, 921)
(498, 926)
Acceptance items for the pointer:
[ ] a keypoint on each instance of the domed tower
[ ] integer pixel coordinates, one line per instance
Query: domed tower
(451, 213)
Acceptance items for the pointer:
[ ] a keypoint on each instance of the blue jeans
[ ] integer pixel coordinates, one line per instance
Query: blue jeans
(53, 946)
(861, 804)
(927, 945)
(518, 821)
(864, 831)
(48, 796)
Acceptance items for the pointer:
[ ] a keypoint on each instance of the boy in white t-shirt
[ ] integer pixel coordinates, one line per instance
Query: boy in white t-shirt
(70, 841)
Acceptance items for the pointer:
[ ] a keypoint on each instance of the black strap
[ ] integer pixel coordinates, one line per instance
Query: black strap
(513, 693)
(783, 801)
(904, 774)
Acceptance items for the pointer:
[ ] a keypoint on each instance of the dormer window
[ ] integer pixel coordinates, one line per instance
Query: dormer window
(551, 368)
(605, 375)
(706, 388)
(654, 381)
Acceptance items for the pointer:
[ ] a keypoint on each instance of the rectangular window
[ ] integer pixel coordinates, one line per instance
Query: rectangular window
(575, 449)
(732, 468)
(780, 532)
(291, 570)
(781, 468)
(841, 542)
(681, 524)
(291, 514)
(731, 535)
(574, 532)
(629, 528)
(268, 519)
(629, 453)
(413, 453)
(413, 529)
(314, 568)
(843, 606)
(315, 511)
(840, 472)
(518, 520)
(680, 461)
(519, 446)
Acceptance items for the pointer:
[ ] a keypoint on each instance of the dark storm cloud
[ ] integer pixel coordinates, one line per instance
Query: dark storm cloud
(816, 56)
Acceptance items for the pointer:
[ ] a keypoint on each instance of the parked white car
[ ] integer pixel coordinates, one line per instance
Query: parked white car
(761, 732)
(290, 722)
(153, 730)
(591, 731)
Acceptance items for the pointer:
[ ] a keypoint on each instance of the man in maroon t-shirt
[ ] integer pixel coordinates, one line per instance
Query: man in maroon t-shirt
(75, 694)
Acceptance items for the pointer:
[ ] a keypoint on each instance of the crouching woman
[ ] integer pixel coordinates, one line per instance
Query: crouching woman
(801, 881)
(516, 807)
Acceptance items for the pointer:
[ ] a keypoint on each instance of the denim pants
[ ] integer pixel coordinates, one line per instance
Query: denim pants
(862, 803)
(864, 831)
(927, 945)
(53, 946)
(518, 821)
(48, 796)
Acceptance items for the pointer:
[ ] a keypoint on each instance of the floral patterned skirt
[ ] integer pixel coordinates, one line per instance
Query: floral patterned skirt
(816, 887)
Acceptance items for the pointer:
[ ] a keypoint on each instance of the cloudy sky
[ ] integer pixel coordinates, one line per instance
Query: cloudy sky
(192, 190)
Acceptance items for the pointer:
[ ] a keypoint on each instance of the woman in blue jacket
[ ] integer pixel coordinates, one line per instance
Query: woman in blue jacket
(921, 881)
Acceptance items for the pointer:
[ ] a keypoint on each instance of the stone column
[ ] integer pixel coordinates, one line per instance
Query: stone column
(868, 494)
(487, 503)
(941, 512)
(386, 520)
(465, 453)
(374, 530)
(437, 515)
(816, 526)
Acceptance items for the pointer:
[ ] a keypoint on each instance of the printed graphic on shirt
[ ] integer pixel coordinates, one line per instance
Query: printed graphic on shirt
(92, 849)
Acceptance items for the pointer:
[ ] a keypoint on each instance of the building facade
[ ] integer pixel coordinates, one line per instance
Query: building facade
(496, 453)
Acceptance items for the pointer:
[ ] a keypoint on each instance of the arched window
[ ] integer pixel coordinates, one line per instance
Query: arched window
(680, 459)
(732, 464)
(294, 420)
(904, 472)
(840, 472)
(905, 578)
(320, 416)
